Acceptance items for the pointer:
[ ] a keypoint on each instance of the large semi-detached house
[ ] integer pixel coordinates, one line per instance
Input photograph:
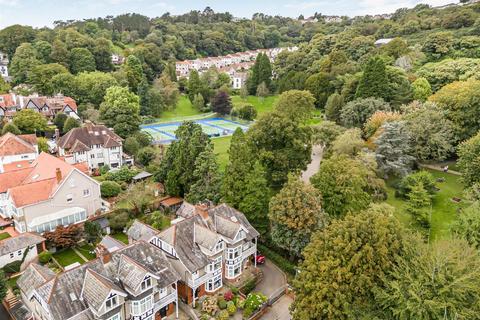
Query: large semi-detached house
(133, 282)
(205, 246)
(95, 144)
(47, 193)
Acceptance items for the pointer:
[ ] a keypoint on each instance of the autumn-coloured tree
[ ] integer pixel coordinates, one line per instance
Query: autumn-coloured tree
(64, 237)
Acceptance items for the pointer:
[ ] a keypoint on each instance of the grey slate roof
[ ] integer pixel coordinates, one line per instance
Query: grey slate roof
(20, 312)
(89, 135)
(34, 276)
(63, 291)
(186, 210)
(19, 242)
(111, 244)
(141, 231)
(229, 212)
(142, 175)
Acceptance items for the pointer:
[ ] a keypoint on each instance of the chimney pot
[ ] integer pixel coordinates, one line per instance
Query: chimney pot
(58, 174)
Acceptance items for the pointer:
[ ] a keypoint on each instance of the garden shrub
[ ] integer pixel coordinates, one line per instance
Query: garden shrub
(118, 219)
(44, 257)
(244, 111)
(223, 315)
(12, 267)
(231, 308)
(110, 189)
(228, 296)
(253, 302)
(249, 286)
(222, 304)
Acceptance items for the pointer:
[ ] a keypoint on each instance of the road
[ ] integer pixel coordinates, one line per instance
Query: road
(3, 313)
(314, 165)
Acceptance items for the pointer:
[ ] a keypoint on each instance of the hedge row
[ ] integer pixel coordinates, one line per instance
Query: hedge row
(279, 260)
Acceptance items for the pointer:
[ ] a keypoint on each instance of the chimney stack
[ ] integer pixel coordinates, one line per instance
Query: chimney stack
(201, 209)
(58, 174)
(103, 253)
(57, 135)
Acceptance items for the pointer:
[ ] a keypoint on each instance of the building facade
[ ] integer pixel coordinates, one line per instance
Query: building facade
(134, 282)
(17, 150)
(206, 246)
(96, 145)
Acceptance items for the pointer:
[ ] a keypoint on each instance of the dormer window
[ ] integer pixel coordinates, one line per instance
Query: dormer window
(111, 302)
(219, 246)
(146, 283)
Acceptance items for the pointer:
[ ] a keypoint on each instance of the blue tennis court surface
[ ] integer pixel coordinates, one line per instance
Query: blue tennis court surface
(214, 127)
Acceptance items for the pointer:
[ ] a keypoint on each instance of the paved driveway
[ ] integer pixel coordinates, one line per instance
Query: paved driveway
(273, 279)
(279, 310)
(3, 313)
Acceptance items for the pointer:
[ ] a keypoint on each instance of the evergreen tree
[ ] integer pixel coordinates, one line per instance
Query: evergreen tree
(23, 63)
(134, 71)
(295, 214)
(374, 82)
(244, 185)
(12, 128)
(199, 102)
(333, 107)
(262, 91)
(103, 55)
(320, 85)
(419, 205)
(260, 72)
(207, 178)
(176, 169)
(222, 104)
(194, 85)
(81, 60)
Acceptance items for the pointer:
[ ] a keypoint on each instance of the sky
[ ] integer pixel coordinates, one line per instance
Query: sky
(39, 13)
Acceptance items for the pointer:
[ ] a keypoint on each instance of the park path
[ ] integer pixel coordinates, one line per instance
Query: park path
(314, 165)
(439, 168)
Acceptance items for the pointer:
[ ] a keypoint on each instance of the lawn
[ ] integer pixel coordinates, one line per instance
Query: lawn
(120, 237)
(12, 282)
(67, 257)
(4, 235)
(184, 109)
(444, 210)
(221, 146)
(87, 251)
(262, 105)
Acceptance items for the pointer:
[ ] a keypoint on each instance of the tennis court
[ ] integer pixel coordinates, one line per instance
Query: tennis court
(214, 127)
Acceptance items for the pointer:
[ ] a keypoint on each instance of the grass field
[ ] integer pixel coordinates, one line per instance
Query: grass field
(444, 210)
(120, 237)
(87, 251)
(262, 106)
(184, 109)
(221, 146)
(67, 257)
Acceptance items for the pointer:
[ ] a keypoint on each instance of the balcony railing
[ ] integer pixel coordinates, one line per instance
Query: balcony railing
(249, 252)
(165, 301)
(193, 283)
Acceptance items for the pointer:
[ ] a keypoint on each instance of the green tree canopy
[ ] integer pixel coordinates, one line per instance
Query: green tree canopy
(29, 121)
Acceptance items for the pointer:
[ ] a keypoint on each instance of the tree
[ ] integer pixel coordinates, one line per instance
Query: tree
(342, 182)
(92, 230)
(244, 111)
(345, 262)
(44, 49)
(321, 87)
(64, 237)
(42, 144)
(145, 155)
(374, 82)
(207, 178)
(419, 205)
(467, 226)
(10, 127)
(349, 143)
(468, 162)
(41, 77)
(4, 86)
(377, 120)
(134, 71)
(421, 89)
(194, 86)
(434, 281)
(333, 107)
(244, 185)
(297, 105)
(222, 103)
(295, 214)
(91, 87)
(461, 99)
(261, 71)
(59, 120)
(70, 124)
(357, 112)
(102, 53)
(262, 91)
(59, 53)
(421, 177)
(29, 121)
(431, 133)
(80, 59)
(438, 45)
(110, 189)
(23, 63)
(199, 102)
(283, 146)
(394, 149)
(13, 36)
(178, 165)
(121, 111)
(395, 48)
(325, 133)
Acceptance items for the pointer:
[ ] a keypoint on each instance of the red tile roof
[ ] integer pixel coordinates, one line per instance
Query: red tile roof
(11, 144)
(18, 165)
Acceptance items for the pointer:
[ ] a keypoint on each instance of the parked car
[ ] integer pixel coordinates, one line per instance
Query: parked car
(260, 258)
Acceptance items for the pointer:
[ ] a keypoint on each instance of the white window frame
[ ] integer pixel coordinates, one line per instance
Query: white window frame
(234, 253)
(146, 283)
(141, 306)
(113, 299)
(115, 317)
